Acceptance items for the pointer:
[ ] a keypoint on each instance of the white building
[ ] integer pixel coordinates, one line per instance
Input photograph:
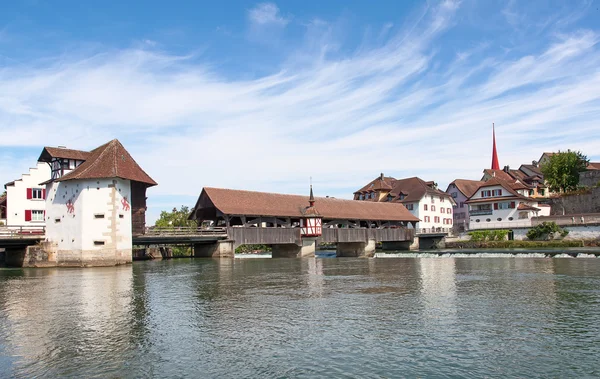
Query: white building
(498, 204)
(94, 202)
(25, 197)
(433, 207)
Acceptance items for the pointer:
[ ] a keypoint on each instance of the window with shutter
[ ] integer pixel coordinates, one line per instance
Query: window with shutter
(512, 204)
(27, 215)
(44, 193)
(495, 206)
(29, 193)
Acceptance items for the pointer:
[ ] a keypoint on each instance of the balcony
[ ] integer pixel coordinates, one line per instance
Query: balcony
(480, 212)
(500, 225)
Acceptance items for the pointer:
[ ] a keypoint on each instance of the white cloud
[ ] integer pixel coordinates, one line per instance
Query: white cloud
(393, 108)
(266, 14)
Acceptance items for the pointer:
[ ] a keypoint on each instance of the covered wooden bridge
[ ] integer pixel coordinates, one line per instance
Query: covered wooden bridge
(281, 221)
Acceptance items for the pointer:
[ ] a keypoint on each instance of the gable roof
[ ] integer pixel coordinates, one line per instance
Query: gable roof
(380, 183)
(467, 187)
(510, 187)
(415, 188)
(239, 202)
(593, 166)
(110, 160)
(58, 152)
(533, 168)
(497, 174)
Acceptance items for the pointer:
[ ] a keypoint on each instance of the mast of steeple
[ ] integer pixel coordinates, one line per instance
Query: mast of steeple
(495, 164)
(311, 199)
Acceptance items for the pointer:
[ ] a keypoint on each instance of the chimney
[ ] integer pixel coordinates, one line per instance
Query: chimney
(62, 147)
(381, 176)
(505, 169)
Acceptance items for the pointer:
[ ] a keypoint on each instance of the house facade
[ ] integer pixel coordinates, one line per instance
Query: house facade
(461, 190)
(93, 206)
(25, 198)
(498, 204)
(433, 207)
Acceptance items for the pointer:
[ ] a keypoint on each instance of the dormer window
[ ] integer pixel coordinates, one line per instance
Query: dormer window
(402, 196)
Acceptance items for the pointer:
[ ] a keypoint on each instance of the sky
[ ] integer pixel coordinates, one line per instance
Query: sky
(270, 96)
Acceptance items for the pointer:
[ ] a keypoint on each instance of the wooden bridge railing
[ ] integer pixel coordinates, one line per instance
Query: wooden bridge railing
(18, 232)
(271, 236)
(334, 235)
(185, 231)
(264, 236)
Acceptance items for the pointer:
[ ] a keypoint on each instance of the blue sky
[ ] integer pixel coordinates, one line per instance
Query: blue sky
(265, 95)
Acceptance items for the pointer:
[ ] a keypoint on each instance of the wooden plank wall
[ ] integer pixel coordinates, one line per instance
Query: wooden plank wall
(271, 236)
(264, 236)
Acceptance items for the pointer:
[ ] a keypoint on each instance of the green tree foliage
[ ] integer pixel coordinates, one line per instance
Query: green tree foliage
(488, 235)
(545, 231)
(175, 218)
(561, 171)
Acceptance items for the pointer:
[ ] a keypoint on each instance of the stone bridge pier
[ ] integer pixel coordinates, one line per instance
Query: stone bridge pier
(305, 250)
(218, 249)
(356, 249)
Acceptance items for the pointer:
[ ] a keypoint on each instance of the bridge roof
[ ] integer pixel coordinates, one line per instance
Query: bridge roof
(249, 203)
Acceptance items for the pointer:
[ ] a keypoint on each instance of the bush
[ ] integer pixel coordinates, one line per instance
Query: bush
(546, 231)
(1, 223)
(488, 235)
(248, 249)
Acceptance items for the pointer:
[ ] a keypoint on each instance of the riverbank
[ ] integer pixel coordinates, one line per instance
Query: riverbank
(521, 244)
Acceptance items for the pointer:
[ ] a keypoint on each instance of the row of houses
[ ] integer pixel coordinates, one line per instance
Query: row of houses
(502, 198)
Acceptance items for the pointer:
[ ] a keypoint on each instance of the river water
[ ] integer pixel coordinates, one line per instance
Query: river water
(305, 318)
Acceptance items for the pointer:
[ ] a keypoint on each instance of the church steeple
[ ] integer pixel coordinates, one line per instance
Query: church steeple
(495, 164)
(311, 199)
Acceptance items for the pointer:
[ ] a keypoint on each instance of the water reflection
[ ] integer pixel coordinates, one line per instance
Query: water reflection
(440, 317)
(59, 315)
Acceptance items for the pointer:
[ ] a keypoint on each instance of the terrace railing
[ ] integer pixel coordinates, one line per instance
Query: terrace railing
(185, 231)
(18, 232)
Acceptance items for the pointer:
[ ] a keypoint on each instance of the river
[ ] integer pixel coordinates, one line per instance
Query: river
(304, 318)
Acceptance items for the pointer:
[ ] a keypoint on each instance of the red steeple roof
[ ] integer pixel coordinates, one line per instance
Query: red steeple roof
(495, 164)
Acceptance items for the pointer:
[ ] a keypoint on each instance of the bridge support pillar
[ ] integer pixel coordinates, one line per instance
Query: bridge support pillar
(308, 248)
(219, 249)
(356, 249)
(428, 243)
(29, 256)
(399, 245)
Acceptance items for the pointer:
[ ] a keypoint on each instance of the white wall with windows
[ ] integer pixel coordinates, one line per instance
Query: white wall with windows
(25, 197)
(89, 215)
(502, 210)
(434, 211)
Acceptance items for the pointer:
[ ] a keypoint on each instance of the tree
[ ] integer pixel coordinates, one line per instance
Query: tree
(175, 218)
(561, 171)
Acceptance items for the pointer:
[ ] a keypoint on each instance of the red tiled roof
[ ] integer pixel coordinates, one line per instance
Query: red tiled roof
(238, 202)
(380, 183)
(593, 166)
(415, 188)
(500, 174)
(510, 187)
(110, 160)
(525, 207)
(533, 168)
(2, 199)
(466, 186)
(58, 152)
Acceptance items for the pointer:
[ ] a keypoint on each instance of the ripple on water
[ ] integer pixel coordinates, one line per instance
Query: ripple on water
(305, 318)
